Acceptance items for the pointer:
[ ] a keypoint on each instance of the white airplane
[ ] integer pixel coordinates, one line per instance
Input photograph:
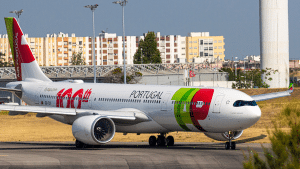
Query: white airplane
(96, 110)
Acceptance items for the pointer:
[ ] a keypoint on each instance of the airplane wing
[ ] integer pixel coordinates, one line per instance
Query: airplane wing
(127, 114)
(268, 96)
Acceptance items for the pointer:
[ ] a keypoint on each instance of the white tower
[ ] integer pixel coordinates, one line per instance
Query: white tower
(274, 41)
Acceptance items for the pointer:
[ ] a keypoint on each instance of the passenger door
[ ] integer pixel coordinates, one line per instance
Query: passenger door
(164, 101)
(217, 104)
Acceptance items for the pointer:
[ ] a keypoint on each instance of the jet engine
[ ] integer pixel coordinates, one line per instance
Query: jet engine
(94, 129)
(224, 136)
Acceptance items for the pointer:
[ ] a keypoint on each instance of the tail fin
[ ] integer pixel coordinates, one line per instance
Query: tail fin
(25, 63)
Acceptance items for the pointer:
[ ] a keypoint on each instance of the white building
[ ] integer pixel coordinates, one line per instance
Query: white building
(253, 57)
(57, 49)
(172, 48)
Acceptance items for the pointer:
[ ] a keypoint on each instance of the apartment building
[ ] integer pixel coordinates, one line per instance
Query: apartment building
(5, 49)
(109, 49)
(204, 47)
(171, 47)
(57, 49)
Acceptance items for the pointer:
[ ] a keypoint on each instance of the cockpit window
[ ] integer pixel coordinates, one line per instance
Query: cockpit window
(240, 103)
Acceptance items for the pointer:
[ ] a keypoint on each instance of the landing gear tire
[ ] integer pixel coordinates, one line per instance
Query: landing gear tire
(170, 141)
(97, 146)
(227, 145)
(161, 141)
(79, 144)
(232, 146)
(152, 141)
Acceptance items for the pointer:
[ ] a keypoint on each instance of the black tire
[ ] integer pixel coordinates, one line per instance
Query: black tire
(161, 141)
(170, 141)
(233, 145)
(79, 144)
(152, 141)
(227, 146)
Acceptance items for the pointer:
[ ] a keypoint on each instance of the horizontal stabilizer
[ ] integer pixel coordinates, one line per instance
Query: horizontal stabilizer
(10, 90)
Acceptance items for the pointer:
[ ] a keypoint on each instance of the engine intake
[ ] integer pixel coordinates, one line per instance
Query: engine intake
(224, 136)
(93, 130)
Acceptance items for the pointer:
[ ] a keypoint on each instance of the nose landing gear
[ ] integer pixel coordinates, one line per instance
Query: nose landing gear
(230, 144)
(161, 140)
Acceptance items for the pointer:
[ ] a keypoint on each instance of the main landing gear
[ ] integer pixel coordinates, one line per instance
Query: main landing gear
(161, 140)
(80, 145)
(230, 144)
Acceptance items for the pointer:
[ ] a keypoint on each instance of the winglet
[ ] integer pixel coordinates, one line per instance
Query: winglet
(291, 88)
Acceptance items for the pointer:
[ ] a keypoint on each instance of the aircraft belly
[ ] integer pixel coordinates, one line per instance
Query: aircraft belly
(167, 120)
(221, 124)
(144, 127)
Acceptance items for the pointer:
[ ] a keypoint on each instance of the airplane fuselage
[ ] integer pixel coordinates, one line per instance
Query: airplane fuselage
(170, 108)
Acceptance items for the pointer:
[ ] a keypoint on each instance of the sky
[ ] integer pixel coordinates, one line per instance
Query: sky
(236, 20)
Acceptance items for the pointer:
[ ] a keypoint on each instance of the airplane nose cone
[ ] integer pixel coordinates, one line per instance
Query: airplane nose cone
(255, 114)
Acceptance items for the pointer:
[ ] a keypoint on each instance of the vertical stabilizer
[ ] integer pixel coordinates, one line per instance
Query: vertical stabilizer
(25, 63)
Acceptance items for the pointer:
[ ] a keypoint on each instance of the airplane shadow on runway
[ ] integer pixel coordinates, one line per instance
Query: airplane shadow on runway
(251, 139)
(117, 145)
(113, 145)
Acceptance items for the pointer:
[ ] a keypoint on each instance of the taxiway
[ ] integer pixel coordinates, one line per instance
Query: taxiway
(122, 155)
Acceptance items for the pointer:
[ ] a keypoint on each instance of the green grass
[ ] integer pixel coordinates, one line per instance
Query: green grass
(4, 112)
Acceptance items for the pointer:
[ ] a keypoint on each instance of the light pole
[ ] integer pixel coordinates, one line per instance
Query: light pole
(18, 13)
(218, 62)
(245, 64)
(93, 7)
(142, 55)
(235, 70)
(123, 3)
(235, 67)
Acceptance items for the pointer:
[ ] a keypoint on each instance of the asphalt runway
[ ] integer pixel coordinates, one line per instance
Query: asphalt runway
(122, 155)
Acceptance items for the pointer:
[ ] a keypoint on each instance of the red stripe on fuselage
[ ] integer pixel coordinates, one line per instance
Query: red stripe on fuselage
(200, 110)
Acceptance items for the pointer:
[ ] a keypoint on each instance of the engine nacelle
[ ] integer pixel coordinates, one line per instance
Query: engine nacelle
(94, 129)
(224, 136)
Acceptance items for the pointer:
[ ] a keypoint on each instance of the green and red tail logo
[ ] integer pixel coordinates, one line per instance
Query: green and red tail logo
(291, 87)
(19, 47)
